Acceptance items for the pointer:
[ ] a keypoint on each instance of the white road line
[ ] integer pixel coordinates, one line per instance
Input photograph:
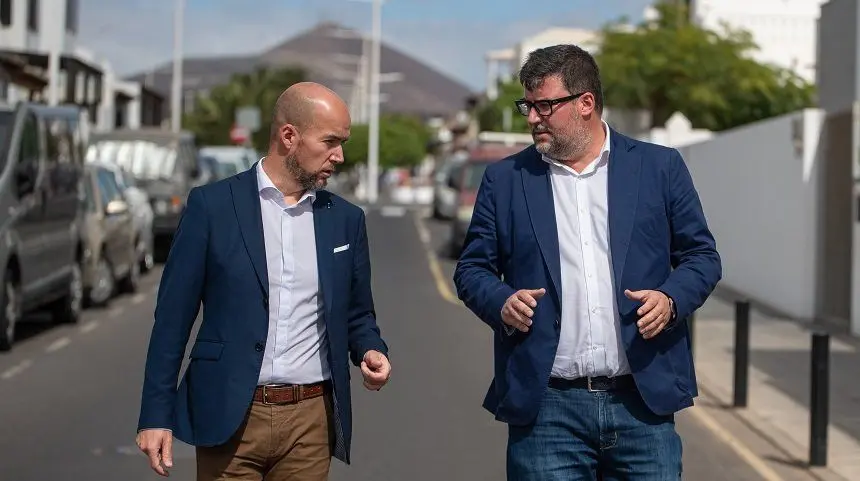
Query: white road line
(16, 369)
(393, 211)
(423, 233)
(89, 327)
(115, 312)
(138, 298)
(58, 344)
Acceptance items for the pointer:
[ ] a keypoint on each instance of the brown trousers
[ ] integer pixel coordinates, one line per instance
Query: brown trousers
(290, 442)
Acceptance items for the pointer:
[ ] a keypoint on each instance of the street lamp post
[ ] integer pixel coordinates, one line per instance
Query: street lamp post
(373, 129)
(176, 90)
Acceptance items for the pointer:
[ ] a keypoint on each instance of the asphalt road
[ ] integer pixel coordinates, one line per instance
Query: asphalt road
(70, 395)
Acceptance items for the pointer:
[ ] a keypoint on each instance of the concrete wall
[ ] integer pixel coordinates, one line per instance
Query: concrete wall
(760, 186)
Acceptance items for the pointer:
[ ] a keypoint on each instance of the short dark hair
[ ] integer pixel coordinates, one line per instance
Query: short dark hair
(575, 66)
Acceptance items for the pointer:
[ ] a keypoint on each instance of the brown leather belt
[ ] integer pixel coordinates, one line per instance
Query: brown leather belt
(289, 393)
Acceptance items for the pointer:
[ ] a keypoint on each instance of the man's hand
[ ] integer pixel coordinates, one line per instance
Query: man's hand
(655, 312)
(519, 308)
(157, 445)
(376, 370)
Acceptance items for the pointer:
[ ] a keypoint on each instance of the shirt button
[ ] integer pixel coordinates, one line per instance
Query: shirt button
(259, 347)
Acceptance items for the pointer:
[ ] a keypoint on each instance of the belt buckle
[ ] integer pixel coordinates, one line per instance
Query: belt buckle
(266, 395)
(591, 388)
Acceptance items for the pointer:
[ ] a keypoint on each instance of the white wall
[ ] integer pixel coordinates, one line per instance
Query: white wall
(678, 132)
(760, 197)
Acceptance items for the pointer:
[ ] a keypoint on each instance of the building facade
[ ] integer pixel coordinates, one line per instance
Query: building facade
(41, 61)
(786, 31)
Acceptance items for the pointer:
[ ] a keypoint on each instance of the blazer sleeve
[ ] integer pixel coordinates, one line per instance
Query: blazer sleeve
(179, 295)
(478, 274)
(363, 332)
(696, 264)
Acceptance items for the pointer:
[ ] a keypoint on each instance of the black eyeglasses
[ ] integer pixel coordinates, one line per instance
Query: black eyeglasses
(543, 107)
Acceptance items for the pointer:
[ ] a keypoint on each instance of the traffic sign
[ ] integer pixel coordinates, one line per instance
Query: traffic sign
(239, 135)
(248, 117)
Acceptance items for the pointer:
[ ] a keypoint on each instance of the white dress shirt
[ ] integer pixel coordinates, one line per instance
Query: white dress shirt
(590, 342)
(296, 347)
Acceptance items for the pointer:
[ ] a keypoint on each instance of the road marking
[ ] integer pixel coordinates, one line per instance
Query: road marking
(115, 312)
(393, 211)
(766, 472)
(58, 344)
(16, 369)
(433, 263)
(89, 327)
(137, 298)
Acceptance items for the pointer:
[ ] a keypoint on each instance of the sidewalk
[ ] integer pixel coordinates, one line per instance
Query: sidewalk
(779, 378)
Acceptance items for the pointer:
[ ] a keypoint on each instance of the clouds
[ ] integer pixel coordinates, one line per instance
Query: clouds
(137, 34)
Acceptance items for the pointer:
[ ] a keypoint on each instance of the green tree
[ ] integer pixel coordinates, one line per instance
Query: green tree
(213, 115)
(670, 65)
(491, 115)
(403, 142)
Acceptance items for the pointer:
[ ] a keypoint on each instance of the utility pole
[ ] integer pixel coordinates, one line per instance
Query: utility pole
(373, 128)
(176, 90)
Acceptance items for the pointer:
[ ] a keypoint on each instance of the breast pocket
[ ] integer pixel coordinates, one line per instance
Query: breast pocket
(652, 221)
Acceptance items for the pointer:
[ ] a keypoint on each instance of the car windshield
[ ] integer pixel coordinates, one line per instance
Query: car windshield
(474, 172)
(142, 159)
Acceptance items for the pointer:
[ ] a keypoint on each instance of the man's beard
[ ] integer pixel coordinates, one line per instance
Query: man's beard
(307, 180)
(564, 148)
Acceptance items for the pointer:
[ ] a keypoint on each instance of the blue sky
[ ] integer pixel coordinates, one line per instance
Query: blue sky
(451, 35)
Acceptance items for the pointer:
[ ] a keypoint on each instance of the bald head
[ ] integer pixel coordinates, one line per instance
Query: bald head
(303, 103)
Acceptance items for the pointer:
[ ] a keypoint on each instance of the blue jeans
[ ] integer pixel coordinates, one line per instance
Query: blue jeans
(582, 435)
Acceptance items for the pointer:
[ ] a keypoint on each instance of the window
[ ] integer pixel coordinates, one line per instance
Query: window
(72, 16)
(5, 12)
(108, 189)
(33, 15)
(28, 153)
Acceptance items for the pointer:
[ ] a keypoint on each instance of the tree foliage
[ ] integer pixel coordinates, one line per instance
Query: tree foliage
(670, 65)
(403, 142)
(491, 115)
(213, 114)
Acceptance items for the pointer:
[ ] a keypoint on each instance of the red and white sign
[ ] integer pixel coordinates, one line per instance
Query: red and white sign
(239, 135)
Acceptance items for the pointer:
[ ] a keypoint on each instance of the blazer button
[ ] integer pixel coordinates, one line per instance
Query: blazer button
(259, 347)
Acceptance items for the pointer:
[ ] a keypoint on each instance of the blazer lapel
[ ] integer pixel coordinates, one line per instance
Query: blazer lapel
(538, 194)
(324, 224)
(625, 167)
(246, 202)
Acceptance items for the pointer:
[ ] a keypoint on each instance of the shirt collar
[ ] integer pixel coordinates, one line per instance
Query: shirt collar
(267, 188)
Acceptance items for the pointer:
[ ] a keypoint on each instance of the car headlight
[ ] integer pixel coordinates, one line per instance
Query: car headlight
(464, 213)
(171, 205)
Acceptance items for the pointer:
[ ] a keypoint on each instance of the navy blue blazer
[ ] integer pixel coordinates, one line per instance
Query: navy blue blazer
(218, 258)
(659, 239)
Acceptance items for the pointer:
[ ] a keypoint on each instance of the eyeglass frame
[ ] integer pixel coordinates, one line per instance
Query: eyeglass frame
(550, 102)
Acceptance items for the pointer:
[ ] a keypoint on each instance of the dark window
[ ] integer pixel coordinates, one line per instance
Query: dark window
(5, 12)
(72, 16)
(28, 152)
(33, 15)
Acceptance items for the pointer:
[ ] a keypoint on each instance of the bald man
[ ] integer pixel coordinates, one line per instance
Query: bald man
(283, 272)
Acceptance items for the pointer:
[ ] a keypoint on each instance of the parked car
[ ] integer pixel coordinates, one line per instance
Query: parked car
(141, 211)
(41, 253)
(111, 256)
(231, 159)
(444, 196)
(162, 163)
(466, 183)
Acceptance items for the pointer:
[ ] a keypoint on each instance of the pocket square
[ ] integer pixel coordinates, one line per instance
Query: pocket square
(341, 248)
